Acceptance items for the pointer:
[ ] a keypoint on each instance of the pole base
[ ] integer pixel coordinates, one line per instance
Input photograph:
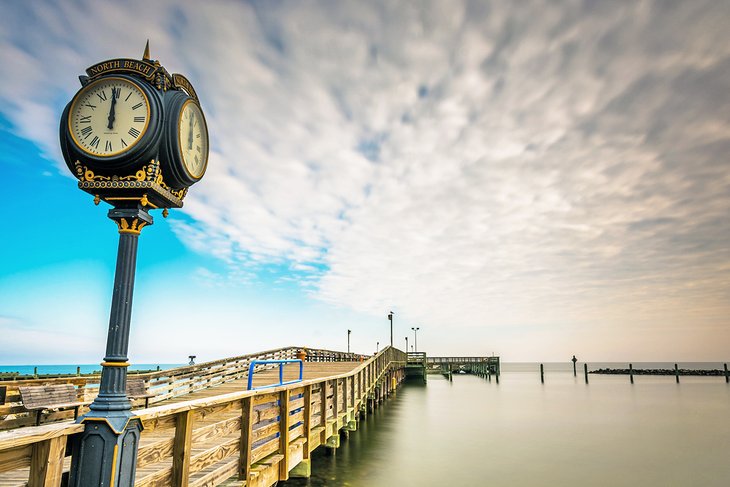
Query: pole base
(105, 454)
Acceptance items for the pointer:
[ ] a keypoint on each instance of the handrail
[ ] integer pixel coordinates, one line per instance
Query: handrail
(254, 363)
(313, 410)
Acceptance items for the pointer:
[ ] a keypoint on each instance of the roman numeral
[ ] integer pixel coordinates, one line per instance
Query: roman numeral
(134, 132)
(137, 106)
(90, 105)
(124, 144)
(127, 98)
(197, 136)
(139, 119)
(86, 131)
(197, 148)
(95, 142)
(196, 160)
(85, 119)
(102, 96)
(116, 92)
(108, 146)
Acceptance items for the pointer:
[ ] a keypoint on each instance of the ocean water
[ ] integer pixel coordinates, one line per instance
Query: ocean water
(521, 433)
(71, 368)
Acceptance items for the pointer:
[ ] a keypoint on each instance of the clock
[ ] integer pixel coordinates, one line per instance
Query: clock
(184, 155)
(111, 123)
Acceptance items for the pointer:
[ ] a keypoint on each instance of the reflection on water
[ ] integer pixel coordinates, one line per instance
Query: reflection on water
(522, 433)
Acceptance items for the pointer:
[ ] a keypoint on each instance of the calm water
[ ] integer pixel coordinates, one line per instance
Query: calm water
(71, 369)
(472, 432)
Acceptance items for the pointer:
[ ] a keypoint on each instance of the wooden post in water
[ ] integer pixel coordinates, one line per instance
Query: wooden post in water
(542, 375)
(585, 371)
(631, 373)
(727, 378)
(676, 373)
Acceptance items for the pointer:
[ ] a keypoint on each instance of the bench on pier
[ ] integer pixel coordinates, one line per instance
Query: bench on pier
(137, 390)
(43, 398)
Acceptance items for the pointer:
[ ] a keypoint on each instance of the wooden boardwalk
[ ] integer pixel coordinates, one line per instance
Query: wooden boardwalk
(223, 433)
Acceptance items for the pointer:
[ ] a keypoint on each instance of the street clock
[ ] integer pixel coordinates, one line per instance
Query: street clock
(133, 132)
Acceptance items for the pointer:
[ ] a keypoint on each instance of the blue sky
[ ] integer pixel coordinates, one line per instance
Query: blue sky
(535, 180)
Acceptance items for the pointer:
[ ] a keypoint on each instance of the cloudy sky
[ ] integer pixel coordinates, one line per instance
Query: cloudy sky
(531, 179)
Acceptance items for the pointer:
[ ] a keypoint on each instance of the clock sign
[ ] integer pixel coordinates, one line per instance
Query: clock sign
(133, 132)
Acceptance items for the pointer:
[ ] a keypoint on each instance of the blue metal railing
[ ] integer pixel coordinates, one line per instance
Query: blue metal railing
(281, 363)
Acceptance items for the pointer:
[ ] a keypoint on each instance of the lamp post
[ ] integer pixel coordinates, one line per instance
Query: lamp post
(415, 335)
(406, 344)
(390, 317)
(348, 340)
(377, 347)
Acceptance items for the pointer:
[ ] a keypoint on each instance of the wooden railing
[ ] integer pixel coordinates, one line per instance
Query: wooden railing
(461, 360)
(163, 384)
(258, 435)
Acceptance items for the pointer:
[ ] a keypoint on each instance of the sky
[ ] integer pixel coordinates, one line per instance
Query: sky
(527, 179)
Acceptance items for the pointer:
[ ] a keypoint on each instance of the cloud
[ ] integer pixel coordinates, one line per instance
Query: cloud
(471, 163)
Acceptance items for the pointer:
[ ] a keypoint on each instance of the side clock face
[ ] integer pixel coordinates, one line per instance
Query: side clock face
(108, 117)
(192, 134)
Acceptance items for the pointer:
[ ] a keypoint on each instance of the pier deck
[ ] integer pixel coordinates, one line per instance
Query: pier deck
(216, 431)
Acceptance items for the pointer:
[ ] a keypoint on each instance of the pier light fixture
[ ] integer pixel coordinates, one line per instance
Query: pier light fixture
(390, 318)
(348, 340)
(415, 335)
(406, 344)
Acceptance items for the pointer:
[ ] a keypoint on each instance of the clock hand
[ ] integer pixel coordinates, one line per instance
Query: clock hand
(190, 135)
(111, 110)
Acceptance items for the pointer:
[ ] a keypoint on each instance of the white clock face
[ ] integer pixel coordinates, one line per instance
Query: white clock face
(109, 116)
(193, 139)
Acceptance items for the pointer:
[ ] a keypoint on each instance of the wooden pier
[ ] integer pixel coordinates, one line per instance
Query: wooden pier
(205, 428)
(481, 366)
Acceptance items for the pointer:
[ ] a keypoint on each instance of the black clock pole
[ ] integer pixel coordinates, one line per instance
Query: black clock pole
(106, 452)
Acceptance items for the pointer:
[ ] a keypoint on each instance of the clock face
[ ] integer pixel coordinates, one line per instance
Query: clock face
(108, 117)
(192, 135)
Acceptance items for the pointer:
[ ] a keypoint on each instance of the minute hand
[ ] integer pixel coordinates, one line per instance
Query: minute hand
(190, 135)
(111, 111)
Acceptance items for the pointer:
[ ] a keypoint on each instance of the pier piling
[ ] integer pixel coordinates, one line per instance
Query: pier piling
(542, 374)
(585, 371)
(676, 373)
(727, 378)
(631, 373)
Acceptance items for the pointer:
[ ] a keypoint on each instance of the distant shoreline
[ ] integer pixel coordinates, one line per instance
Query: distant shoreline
(700, 372)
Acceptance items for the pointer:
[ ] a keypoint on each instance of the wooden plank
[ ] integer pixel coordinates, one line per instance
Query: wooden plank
(246, 442)
(46, 464)
(159, 423)
(265, 399)
(307, 427)
(213, 455)
(284, 434)
(265, 432)
(15, 458)
(215, 430)
(215, 477)
(181, 449)
(263, 450)
(28, 436)
(155, 452)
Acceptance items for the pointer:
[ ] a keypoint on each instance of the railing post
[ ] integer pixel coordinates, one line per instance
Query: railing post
(181, 448)
(46, 463)
(284, 434)
(244, 465)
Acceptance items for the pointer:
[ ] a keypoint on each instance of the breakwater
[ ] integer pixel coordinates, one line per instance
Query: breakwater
(706, 372)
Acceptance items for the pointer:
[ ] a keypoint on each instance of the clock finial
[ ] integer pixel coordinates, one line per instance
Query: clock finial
(146, 55)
